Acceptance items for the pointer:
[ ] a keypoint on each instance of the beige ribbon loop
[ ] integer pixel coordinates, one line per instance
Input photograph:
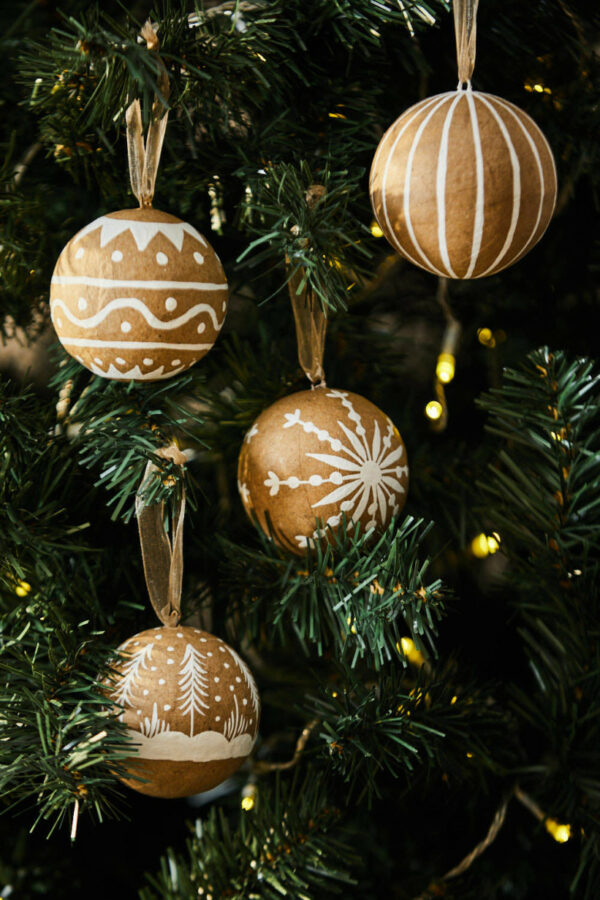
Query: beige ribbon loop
(144, 157)
(309, 316)
(465, 28)
(163, 560)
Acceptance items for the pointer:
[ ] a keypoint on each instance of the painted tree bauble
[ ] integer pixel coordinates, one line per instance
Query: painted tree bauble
(191, 706)
(463, 184)
(314, 456)
(138, 294)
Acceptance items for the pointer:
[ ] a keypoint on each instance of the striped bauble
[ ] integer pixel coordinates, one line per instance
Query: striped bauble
(138, 295)
(463, 184)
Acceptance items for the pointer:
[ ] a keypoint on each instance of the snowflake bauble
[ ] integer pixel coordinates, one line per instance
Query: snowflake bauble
(138, 294)
(191, 706)
(463, 184)
(316, 457)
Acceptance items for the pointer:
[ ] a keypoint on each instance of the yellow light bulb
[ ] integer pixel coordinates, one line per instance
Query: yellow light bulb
(434, 410)
(247, 803)
(410, 650)
(539, 88)
(376, 230)
(22, 588)
(559, 832)
(445, 368)
(486, 337)
(493, 542)
(480, 547)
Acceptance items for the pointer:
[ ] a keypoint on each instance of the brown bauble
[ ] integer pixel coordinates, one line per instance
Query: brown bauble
(138, 295)
(191, 707)
(314, 456)
(463, 184)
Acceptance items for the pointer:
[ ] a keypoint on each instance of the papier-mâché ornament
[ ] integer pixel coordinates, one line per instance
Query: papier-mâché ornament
(463, 184)
(138, 294)
(316, 455)
(191, 706)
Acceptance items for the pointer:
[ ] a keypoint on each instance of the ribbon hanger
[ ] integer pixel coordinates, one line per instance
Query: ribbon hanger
(144, 156)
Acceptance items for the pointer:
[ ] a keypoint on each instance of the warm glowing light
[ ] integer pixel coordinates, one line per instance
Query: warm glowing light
(486, 337)
(453, 701)
(22, 588)
(434, 410)
(336, 115)
(539, 88)
(479, 546)
(376, 230)
(493, 542)
(445, 368)
(559, 832)
(247, 803)
(412, 653)
(469, 756)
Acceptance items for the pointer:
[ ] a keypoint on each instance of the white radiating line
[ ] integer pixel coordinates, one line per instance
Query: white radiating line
(392, 233)
(131, 345)
(409, 164)
(139, 306)
(440, 187)
(147, 285)
(516, 173)
(479, 187)
(504, 105)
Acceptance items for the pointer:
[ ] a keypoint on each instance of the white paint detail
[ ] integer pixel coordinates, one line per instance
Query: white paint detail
(116, 256)
(386, 215)
(139, 306)
(516, 173)
(123, 694)
(203, 747)
(409, 165)
(162, 259)
(440, 187)
(248, 678)
(142, 232)
(89, 281)
(82, 303)
(131, 345)
(479, 189)
(135, 373)
(125, 326)
(194, 684)
(503, 105)
(170, 303)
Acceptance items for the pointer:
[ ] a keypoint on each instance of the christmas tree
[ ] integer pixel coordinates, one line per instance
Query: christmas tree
(429, 673)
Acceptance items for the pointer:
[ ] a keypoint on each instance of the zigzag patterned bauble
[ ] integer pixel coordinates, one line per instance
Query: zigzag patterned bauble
(463, 184)
(138, 294)
(191, 706)
(315, 455)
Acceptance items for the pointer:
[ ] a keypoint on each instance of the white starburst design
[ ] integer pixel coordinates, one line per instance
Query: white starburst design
(365, 476)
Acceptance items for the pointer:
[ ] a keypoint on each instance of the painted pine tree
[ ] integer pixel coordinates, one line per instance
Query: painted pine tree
(139, 660)
(193, 683)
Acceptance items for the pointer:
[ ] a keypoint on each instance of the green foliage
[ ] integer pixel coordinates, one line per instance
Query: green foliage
(357, 596)
(291, 843)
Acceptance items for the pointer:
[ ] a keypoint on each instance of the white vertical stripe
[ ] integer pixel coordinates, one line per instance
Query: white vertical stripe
(516, 173)
(421, 107)
(440, 188)
(480, 187)
(409, 164)
(507, 106)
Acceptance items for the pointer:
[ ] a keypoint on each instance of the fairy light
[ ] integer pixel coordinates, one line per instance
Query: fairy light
(411, 651)
(249, 794)
(486, 337)
(434, 410)
(559, 831)
(22, 589)
(485, 545)
(376, 230)
(445, 367)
